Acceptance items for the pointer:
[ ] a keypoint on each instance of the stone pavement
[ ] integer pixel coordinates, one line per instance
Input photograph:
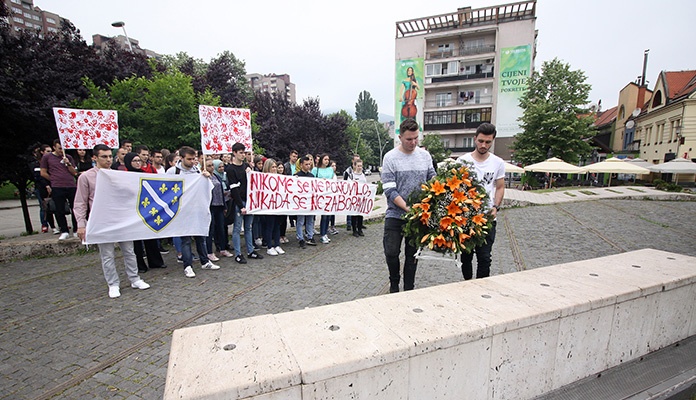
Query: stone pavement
(62, 337)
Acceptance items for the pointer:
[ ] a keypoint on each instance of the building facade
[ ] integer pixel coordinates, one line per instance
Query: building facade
(24, 15)
(102, 42)
(455, 71)
(272, 83)
(666, 125)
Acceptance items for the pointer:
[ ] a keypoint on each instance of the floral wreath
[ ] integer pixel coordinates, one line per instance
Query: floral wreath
(448, 215)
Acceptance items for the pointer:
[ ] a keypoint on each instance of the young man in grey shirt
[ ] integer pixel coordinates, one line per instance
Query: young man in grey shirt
(405, 168)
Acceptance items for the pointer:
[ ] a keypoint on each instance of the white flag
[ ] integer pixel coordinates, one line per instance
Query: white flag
(136, 206)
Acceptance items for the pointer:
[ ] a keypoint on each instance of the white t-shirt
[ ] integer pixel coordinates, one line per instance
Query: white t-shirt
(487, 172)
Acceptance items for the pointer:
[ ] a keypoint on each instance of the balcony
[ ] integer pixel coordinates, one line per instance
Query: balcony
(461, 149)
(456, 119)
(430, 104)
(461, 77)
(460, 52)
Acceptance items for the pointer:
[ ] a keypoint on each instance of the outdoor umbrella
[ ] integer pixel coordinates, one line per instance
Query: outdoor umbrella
(513, 168)
(552, 165)
(640, 162)
(676, 166)
(615, 166)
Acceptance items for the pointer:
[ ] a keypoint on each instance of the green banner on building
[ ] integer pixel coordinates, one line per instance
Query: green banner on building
(409, 91)
(514, 73)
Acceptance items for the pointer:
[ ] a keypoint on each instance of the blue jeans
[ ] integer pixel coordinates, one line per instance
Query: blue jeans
(393, 236)
(302, 222)
(483, 258)
(186, 254)
(324, 225)
(247, 220)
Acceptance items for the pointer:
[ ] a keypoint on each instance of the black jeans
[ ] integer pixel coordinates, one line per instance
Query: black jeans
(60, 196)
(483, 258)
(393, 236)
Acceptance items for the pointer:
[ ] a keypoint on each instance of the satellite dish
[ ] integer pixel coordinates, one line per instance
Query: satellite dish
(636, 112)
(630, 124)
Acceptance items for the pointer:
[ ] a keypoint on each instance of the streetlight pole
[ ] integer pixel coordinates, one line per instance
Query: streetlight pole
(121, 24)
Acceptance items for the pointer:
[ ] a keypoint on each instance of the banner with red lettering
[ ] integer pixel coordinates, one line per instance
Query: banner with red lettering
(83, 129)
(222, 127)
(293, 195)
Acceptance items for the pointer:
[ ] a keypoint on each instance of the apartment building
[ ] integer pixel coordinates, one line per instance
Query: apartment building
(272, 83)
(24, 15)
(455, 71)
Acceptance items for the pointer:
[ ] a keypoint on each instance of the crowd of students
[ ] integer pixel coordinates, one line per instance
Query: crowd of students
(57, 174)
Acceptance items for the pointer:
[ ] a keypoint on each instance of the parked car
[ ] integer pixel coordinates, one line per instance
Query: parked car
(368, 171)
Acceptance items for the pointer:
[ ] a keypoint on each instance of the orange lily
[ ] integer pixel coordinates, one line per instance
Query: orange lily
(453, 209)
(425, 238)
(438, 188)
(440, 241)
(445, 223)
(472, 193)
(422, 206)
(453, 182)
(425, 217)
(463, 237)
(459, 220)
(458, 196)
(479, 219)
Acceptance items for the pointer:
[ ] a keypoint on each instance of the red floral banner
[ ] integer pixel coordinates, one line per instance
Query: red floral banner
(83, 129)
(221, 127)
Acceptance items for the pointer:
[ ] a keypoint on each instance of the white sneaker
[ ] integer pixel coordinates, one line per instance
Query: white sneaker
(226, 253)
(272, 252)
(74, 234)
(140, 284)
(56, 231)
(210, 265)
(188, 271)
(258, 242)
(213, 257)
(325, 239)
(64, 236)
(279, 250)
(114, 292)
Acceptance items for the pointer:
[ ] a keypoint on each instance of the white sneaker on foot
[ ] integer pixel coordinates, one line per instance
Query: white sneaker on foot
(279, 250)
(188, 271)
(114, 292)
(140, 284)
(74, 234)
(56, 231)
(271, 252)
(325, 239)
(210, 265)
(213, 257)
(64, 236)
(258, 242)
(226, 253)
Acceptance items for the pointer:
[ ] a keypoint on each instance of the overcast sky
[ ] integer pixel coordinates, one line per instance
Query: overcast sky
(333, 50)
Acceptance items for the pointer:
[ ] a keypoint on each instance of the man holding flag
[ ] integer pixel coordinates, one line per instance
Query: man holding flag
(86, 186)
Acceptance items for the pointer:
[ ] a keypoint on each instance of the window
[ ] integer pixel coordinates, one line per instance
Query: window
(469, 118)
(16, 1)
(27, 15)
(443, 99)
(18, 20)
(54, 30)
(50, 20)
(657, 99)
(447, 68)
(36, 18)
(16, 10)
(444, 48)
(468, 142)
(433, 69)
(473, 44)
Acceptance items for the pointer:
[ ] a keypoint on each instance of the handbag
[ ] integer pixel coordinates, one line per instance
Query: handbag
(52, 207)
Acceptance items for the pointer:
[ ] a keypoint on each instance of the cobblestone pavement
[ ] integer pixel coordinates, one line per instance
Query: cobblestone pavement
(61, 336)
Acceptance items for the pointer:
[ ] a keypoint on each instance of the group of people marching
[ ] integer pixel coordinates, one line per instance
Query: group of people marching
(70, 186)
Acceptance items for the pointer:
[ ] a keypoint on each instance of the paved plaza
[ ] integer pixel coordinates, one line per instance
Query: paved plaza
(62, 337)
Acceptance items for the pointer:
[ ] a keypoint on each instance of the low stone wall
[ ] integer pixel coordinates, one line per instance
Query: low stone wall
(512, 336)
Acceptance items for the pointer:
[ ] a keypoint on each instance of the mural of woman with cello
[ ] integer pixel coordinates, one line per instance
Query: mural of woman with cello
(408, 95)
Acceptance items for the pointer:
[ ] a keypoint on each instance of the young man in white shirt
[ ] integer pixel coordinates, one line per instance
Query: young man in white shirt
(490, 171)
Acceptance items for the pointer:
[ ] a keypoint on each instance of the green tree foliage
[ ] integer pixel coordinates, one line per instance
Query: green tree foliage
(377, 139)
(555, 121)
(366, 107)
(356, 144)
(226, 77)
(436, 147)
(161, 112)
(284, 126)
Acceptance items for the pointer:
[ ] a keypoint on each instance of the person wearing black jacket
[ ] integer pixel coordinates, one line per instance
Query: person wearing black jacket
(237, 182)
(41, 185)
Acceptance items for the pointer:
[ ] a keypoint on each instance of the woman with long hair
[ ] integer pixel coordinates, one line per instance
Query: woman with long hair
(323, 170)
(271, 223)
(283, 218)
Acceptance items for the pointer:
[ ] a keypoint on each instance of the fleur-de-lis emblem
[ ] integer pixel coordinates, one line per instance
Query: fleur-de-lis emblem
(145, 202)
(176, 188)
(153, 211)
(163, 188)
(159, 220)
(175, 199)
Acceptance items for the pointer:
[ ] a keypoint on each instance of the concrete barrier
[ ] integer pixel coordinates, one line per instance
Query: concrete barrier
(512, 336)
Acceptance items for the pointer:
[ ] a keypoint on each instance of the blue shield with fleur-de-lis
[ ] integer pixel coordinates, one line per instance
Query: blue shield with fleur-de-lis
(158, 202)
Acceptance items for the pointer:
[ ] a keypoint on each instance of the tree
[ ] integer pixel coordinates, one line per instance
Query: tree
(555, 121)
(226, 77)
(436, 147)
(38, 73)
(377, 139)
(366, 107)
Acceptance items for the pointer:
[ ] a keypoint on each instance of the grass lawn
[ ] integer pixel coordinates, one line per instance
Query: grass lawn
(7, 191)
